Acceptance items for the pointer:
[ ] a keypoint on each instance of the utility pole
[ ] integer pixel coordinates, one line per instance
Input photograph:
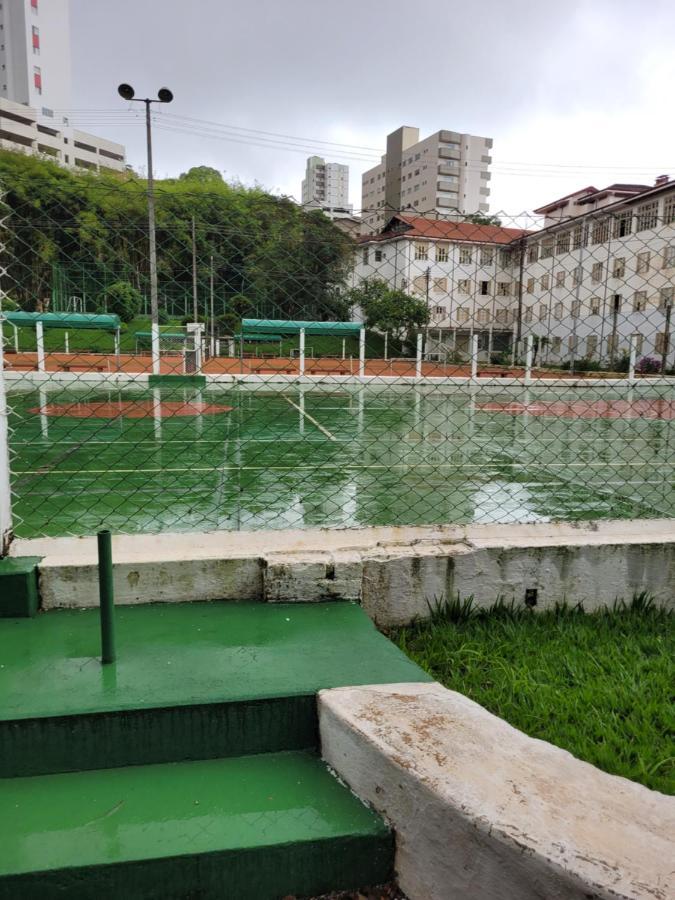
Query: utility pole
(427, 278)
(195, 307)
(164, 95)
(211, 311)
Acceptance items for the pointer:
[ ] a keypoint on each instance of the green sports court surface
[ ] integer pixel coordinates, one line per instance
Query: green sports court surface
(272, 456)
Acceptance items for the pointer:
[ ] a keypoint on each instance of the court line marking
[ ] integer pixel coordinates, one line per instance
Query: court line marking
(311, 419)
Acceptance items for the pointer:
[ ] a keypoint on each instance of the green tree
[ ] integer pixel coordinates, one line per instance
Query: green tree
(202, 174)
(389, 309)
(480, 219)
(124, 300)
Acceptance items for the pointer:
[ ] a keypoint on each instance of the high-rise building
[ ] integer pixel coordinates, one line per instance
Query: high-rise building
(326, 186)
(446, 173)
(35, 88)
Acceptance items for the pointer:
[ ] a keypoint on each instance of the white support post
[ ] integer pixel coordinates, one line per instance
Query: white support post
(474, 357)
(418, 361)
(117, 348)
(302, 352)
(40, 343)
(529, 344)
(16, 339)
(344, 348)
(631, 359)
(66, 342)
(154, 338)
(362, 352)
(157, 412)
(217, 350)
(386, 343)
(5, 496)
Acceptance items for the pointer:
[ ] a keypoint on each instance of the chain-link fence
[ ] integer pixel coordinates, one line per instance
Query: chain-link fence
(503, 369)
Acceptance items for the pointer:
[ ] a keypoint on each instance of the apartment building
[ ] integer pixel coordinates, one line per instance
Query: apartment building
(326, 187)
(446, 173)
(585, 286)
(35, 88)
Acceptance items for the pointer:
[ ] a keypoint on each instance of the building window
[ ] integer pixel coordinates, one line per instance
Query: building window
(596, 273)
(669, 210)
(484, 288)
(560, 279)
(595, 306)
(591, 345)
(37, 79)
(465, 256)
(462, 314)
(365, 257)
(547, 247)
(562, 244)
(505, 259)
(544, 282)
(441, 252)
(36, 39)
(440, 285)
(623, 225)
(503, 288)
(643, 261)
(558, 311)
(502, 316)
(530, 285)
(578, 237)
(577, 275)
(533, 253)
(647, 216)
(576, 309)
(572, 343)
(487, 256)
(600, 231)
(639, 343)
(661, 345)
(542, 312)
(619, 268)
(421, 251)
(483, 316)
(439, 310)
(463, 286)
(669, 256)
(666, 297)
(639, 301)
(556, 344)
(528, 315)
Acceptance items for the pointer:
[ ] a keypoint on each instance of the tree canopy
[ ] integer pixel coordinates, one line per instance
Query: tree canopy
(388, 309)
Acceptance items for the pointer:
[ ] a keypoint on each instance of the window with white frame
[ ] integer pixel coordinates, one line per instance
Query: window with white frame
(643, 262)
(379, 256)
(544, 282)
(577, 275)
(464, 286)
(639, 301)
(572, 343)
(440, 286)
(530, 285)
(579, 233)
(562, 242)
(647, 216)
(661, 343)
(623, 224)
(666, 297)
(441, 252)
(487, 256)
(547, 247)
(595, 306)
(543, 310)
(576, 309)
(532, 253)
(421, 251)
(600, 231)
(558, 311)
(560, 279)
(619, 267)
(669, 210)
(505, 259)
(638, 342)
(484, 288)
(669, 256)
(527, 317)
(483, 316)
(439, 310)
(596, 272)
(502, 316)
(465, 256)
(591, 345)
(503, 288)
(365, 256)
(462, 313)
(556, 344)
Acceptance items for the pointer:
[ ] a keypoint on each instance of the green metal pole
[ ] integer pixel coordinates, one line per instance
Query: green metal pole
(106, 597)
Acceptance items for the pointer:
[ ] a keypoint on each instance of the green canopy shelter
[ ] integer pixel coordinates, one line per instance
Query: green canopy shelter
(66, 321)
(278, 327)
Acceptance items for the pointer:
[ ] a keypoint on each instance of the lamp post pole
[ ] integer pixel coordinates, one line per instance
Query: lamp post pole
(164, 95)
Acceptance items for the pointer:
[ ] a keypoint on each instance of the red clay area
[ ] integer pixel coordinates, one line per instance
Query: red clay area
(587, 409)
(130, 409)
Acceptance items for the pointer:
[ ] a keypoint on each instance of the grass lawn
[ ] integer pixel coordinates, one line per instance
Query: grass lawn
(597, 684)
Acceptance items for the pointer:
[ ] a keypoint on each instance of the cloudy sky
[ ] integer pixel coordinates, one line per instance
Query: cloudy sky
(573, 94)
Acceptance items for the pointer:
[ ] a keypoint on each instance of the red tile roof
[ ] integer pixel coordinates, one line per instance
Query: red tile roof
(562, 201)
(444, 229)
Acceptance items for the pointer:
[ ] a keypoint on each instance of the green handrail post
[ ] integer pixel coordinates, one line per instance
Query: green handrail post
(106, 593)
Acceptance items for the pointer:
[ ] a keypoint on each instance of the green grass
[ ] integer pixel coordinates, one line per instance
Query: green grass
(597, 684)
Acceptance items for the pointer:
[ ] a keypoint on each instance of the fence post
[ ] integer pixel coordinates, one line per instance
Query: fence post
(40, 345)
(362, 352)
(302, 351)
(631, 359)
(529, 342)
(106, 597)
(474, 357)
(5, 496)
(418, 361)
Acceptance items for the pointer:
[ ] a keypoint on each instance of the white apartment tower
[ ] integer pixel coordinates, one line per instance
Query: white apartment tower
(35, 88)
(326, 186)
(446, 173)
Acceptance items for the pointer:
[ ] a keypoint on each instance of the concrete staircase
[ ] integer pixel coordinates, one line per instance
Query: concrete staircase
(189, 768)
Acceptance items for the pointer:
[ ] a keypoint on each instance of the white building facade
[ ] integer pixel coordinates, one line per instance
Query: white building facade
(446, 173)
(35, 88)
(586, 288)
(326, 187)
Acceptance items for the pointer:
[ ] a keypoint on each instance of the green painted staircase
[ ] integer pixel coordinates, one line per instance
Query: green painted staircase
(190, 768)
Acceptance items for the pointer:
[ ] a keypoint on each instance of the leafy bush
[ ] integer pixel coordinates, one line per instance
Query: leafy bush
(124, 300)
(648, 365)
(8, 305)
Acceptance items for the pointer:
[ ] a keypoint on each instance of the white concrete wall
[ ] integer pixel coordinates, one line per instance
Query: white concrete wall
(483, 812)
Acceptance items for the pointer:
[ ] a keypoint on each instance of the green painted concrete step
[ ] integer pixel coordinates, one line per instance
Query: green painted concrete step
(254, 828)
(192, 681)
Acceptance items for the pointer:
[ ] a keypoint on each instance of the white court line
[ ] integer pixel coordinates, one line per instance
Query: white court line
(312, 419)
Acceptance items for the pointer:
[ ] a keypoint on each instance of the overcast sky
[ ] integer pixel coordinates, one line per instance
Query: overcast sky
(573, 93)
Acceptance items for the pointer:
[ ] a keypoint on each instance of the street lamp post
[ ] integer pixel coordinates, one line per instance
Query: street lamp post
(164, 95)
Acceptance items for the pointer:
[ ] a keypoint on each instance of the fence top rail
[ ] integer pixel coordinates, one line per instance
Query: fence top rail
(289, 326)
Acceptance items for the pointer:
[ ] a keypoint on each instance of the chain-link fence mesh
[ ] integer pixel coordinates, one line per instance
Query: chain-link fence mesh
(503, 369)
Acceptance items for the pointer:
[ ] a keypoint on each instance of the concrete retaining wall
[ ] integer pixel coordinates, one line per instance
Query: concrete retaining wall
(483, 812)
(396, 573)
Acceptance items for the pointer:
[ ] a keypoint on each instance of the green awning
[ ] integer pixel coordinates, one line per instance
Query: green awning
(163, 334)
(282, 326)
(259, 337)
(71, 321)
